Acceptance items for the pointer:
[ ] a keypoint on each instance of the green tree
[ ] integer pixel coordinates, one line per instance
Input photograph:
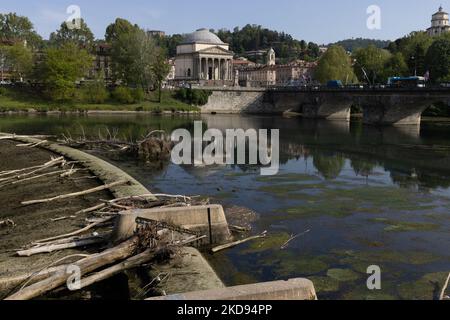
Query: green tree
(414, 48)
(133, 54)
(120, 27)
(395, 67)
(335, 64)
(18, 28)
(19, 59)
(82, 36)
(370, 62)
(61, 68)
(160, 69)
(438, 60)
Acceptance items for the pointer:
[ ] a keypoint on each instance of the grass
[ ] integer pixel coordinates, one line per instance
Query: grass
(15, 101)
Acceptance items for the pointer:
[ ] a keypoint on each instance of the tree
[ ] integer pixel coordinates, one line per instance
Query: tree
(16, 28)
(19, 59)
(61, 68)
(395, 66)
(120, 27)
(414, 48)
(82, 36)
(335, 64)
(133, 54)
(160, 69)
(370, 62)
(438, 60)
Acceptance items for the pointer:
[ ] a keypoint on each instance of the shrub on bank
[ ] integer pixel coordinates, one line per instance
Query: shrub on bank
(193, 96)
(94, 92)
(3, 91)
(128, 95)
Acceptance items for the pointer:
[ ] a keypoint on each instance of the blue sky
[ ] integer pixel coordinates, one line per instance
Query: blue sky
(321, 21)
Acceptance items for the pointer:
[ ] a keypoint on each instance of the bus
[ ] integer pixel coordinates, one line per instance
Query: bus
(407, 82)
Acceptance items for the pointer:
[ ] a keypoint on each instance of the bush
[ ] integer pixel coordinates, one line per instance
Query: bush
(123, 95)
(138, 95)
(94, 92)
(127, 95)
(193, 97)
(3, 91)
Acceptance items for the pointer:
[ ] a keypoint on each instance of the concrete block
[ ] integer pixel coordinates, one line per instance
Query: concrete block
(294, 289)
(196, 218)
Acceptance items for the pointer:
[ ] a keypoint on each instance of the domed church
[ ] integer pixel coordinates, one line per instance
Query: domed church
(439, 23)
(203, 57)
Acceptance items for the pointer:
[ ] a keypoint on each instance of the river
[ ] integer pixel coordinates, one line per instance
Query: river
(359, 196)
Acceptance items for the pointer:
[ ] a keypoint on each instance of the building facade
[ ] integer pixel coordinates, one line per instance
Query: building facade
(270, 74)
(439, 23)
(202, 57)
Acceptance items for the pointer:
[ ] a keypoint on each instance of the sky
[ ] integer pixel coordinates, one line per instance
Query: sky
(320, 21)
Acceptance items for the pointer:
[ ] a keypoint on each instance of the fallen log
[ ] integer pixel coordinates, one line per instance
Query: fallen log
(7, 223)
(131, 263)
(234, 244)
(76, 194)
(75, 233)
(59, 247)
(86, 266)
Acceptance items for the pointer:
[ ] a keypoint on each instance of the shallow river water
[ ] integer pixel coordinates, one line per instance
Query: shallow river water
(359, 195)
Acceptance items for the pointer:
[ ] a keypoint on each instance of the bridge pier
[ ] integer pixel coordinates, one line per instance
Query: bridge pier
(393, 110)
(337, 108)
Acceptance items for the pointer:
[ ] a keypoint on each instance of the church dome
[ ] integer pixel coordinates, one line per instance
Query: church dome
(202, 36)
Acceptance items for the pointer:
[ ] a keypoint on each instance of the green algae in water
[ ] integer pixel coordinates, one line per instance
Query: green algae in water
(325, 284)
(405, 226)
(271, 242)
(426, 288)
(289, 177)
(343, 275)
(385, 256)
(290, 265)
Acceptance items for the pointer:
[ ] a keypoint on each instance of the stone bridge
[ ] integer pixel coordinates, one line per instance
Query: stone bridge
(390, 106)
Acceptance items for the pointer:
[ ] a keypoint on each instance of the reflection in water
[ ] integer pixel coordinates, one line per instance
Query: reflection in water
(369, 196)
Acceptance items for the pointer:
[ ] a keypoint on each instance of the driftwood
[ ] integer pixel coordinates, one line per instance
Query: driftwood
(37, 169)
(292, 238)
(86, 266)
(128, 264)
(444, 289)
(92, 209)
(75, 233)
(76, 194)
(234, 244)
(61, 173)
(58, 247)
(33, 144)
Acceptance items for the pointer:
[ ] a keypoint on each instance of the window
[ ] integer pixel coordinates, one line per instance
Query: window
(189, 73)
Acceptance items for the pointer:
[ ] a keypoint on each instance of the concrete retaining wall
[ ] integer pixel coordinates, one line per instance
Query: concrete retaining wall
(295, 289)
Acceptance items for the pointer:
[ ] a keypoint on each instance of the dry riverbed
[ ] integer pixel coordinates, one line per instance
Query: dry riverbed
(35, 222)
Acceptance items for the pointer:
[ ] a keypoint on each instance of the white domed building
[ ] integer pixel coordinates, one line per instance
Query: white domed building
(203, 57)
(439, 23)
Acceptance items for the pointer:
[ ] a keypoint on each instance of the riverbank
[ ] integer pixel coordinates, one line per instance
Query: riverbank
(11, 102)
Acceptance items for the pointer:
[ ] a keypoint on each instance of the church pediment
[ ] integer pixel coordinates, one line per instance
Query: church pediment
(215, 50)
